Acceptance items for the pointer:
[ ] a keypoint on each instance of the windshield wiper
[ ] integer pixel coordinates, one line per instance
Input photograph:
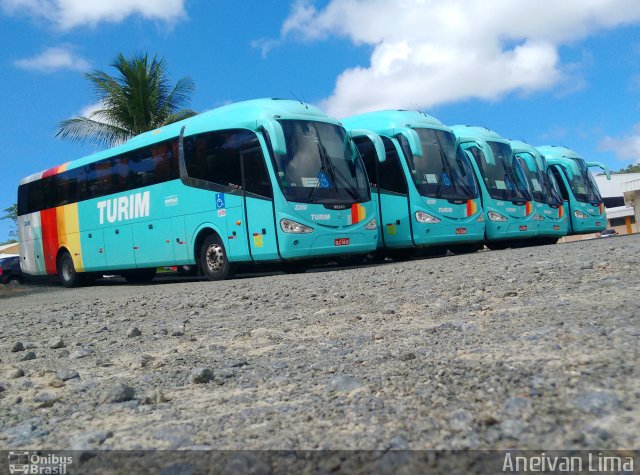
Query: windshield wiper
(337, 173)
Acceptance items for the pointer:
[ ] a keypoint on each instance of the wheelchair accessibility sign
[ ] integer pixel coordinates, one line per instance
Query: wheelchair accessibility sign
(220, 201)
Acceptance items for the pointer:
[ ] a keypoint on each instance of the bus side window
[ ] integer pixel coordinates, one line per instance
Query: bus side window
(256, 177)
(369, 157)
(391, 174)
(215, 156)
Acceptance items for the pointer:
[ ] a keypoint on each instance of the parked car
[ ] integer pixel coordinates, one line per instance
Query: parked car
(10, 272)
(608, 233)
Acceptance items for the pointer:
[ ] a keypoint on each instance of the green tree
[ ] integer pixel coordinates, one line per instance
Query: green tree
(139, 98)
(630, 169)
(11, 213)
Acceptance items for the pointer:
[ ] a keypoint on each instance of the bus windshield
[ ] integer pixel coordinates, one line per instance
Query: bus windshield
(554, 195)
(534, 179)
(443, 171)
(582, 184)
(500, 177)
(320, 165)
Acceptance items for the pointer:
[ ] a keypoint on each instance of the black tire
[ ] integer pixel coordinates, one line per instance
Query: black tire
(140, 276)
(498, 245)
(14, 281)
(295, 267)
(401, 254)
(67, 272)
(469, 248)
(213, 259)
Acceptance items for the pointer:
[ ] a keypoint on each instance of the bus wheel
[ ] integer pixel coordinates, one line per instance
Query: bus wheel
(498, 245)
(67, 271)
(466, 248)
(295, 267)
(140, 276)
(213, 259)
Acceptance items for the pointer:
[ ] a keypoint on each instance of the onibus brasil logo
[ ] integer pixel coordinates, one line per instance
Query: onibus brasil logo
(34, 463)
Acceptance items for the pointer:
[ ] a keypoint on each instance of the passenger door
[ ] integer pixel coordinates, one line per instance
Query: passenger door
(259, 210)
(394, 199)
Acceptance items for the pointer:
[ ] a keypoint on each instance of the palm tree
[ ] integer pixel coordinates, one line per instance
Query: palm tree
(138, 99)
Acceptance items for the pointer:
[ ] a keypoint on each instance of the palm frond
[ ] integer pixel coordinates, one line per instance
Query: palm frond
(82, 129)
(139, 98)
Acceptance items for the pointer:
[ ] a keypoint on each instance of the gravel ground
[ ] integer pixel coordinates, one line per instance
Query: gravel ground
(527, 348)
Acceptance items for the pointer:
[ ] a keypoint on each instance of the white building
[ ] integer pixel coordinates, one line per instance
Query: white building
(621, 214)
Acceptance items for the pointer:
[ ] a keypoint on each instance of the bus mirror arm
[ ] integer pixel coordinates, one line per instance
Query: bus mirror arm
(375, 139)
(181, 163)
(602, 166)
(414, 141)
(276, 135)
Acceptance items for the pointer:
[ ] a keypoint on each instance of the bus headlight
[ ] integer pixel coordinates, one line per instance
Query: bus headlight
(423, 217)
(371, 225)
(480, 219)
(289, 226)
(538, 217)
(580, 215)
(493, 216)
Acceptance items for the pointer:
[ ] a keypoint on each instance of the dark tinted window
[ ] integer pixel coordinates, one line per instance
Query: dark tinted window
(135, 169)
(256, 177)
(370, 158)
(215, 157)
(391, 174)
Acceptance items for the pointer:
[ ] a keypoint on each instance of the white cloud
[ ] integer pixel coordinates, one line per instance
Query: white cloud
(626, 147)
(54, 59)
(428, 52)
(68, 14)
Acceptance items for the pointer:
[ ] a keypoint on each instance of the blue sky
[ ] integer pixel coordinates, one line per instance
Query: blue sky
(564, 74)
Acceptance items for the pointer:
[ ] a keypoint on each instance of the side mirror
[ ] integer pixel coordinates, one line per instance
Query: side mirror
(276, 135)
(414, 141)
(600, 165)
(375, 138)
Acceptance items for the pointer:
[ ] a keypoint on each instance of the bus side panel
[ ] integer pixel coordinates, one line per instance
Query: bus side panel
(49, 220)
(30, 237)
(395, 220)
(181, 245)
(68, 233)
(93, 255)
(152, 243)
(118, 246)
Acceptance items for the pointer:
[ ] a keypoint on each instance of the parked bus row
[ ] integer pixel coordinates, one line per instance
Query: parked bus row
(278, 181)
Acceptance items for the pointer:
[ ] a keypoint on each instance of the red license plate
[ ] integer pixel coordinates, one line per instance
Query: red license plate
(556, 228)
(523, 228)
(342, 242)
(461, 230)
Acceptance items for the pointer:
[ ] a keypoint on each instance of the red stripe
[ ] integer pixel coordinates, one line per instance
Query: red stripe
(49, 223)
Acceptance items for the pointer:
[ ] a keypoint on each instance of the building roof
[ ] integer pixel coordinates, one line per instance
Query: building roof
(615, 187)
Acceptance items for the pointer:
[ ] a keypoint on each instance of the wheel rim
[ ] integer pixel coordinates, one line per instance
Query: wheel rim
(66, 270)
(215, 258)
(14, 282)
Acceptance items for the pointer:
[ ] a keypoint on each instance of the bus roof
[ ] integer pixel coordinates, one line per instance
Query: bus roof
(519, 146)
(474, 132)
(553, 151)
(386, 121)
(239, 115)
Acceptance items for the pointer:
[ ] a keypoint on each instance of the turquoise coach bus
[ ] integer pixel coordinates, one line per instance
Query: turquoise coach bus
(582, 198)
(265, 180)
(506, 199)
(425, 189)
(549, 206)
